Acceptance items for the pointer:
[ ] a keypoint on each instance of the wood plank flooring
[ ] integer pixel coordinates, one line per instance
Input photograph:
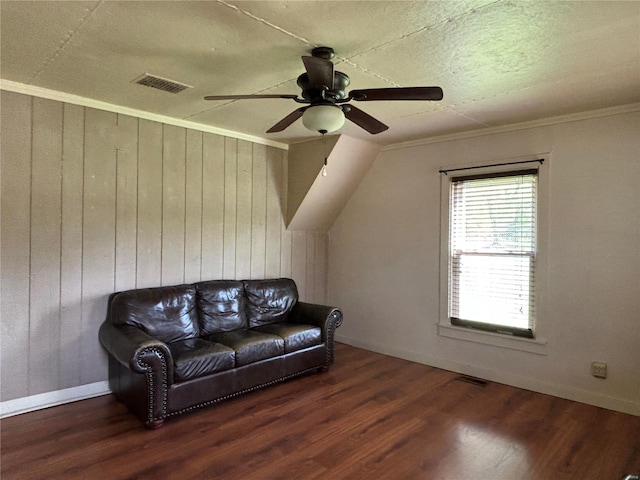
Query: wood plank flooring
(370, 416)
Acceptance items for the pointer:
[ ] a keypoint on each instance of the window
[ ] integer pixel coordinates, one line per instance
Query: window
(492, 251)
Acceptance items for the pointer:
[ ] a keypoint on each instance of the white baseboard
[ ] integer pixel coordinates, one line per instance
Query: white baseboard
(51, 399)
(562, 391)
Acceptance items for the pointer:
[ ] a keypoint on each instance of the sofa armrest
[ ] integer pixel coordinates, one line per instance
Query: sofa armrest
(137, 351)
(325, 317)
(145, 355)
(314, 314)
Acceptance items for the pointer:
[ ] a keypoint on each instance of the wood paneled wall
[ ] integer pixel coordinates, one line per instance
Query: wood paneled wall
(94, 202)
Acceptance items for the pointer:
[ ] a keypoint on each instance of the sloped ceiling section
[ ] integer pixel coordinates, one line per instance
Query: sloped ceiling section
(315, 201)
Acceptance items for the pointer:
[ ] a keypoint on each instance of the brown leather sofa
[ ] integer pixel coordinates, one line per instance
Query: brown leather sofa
(177, 348)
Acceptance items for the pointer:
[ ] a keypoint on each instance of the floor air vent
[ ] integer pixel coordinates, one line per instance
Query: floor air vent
(160, 83)
(473, 380)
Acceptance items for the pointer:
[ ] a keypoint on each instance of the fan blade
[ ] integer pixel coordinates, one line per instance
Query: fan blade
(320, 72)
(398, 93)
(364, 120)
(243, 97)
(288, 120)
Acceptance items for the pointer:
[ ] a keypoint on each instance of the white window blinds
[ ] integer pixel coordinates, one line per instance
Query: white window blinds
(493, 251)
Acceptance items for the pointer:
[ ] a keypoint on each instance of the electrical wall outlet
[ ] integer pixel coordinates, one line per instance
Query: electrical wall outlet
(599, 369)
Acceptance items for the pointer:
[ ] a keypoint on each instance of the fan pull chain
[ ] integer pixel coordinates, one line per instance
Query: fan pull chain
(324, 167)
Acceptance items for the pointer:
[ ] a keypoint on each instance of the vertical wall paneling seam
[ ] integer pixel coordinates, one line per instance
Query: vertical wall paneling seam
(266, 210)
(82, 249)
(265, 217)
(309, 252)
(30, 240)
(235, 240)
(202, 143)
(60, 250)
(29, 309)
(184, 211)
(285, 181)
(312, 274)
(277, 197)
(251, 214)
(319, 258)
(315, 255)
(137, 200)
(238, 177)
(236, 158)
(251, 200)
(135, 281)
(264, 158)
(116, 193)
(124, 235)
(114, 138)
(135, 255)
(325, 261)
(235, 250)
(322, 261)
(284, 209)
(307, 237)
(115, 219)
(184, 229)
(224, 210)
(62, 152)
(162, 205)
(263, 211)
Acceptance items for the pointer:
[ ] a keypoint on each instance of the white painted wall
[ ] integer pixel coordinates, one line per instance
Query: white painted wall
(384, 260)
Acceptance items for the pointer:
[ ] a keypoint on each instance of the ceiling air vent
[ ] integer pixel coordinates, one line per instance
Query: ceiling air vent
(160, 83)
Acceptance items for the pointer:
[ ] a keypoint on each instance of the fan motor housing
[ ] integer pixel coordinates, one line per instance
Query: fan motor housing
(340, 82)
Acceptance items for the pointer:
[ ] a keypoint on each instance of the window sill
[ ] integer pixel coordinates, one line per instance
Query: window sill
(532, 345)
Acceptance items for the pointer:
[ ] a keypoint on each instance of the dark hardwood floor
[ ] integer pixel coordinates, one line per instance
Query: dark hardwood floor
(370, 416)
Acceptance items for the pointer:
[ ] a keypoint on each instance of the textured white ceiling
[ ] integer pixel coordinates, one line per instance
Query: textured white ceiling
(498, 62)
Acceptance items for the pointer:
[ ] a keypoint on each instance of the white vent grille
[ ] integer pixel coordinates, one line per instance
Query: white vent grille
(160, 83)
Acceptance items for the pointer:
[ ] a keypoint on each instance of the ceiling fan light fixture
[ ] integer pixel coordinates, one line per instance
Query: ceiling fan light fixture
(323, 118)
(323, 89)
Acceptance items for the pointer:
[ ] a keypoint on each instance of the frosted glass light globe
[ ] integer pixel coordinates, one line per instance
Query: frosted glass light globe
(323, 118)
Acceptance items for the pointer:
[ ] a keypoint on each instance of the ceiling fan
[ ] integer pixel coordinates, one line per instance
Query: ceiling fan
(323, 89)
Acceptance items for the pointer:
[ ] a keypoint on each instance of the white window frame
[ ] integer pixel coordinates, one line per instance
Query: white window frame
(538, 344)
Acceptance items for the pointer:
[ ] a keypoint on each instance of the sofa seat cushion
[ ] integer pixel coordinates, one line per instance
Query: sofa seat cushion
(296, 336)
(195, 357)
(250, 346)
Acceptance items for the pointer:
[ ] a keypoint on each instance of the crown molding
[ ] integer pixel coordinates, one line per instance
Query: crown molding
(573, 117)
(35, 91)
(40, 92)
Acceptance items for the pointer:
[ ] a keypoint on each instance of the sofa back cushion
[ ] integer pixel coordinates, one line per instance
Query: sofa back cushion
(269, 301)
(221, 306)
(165, 313)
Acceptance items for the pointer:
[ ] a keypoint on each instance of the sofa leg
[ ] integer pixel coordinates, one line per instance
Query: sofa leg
(154, 425)
(323, 369)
